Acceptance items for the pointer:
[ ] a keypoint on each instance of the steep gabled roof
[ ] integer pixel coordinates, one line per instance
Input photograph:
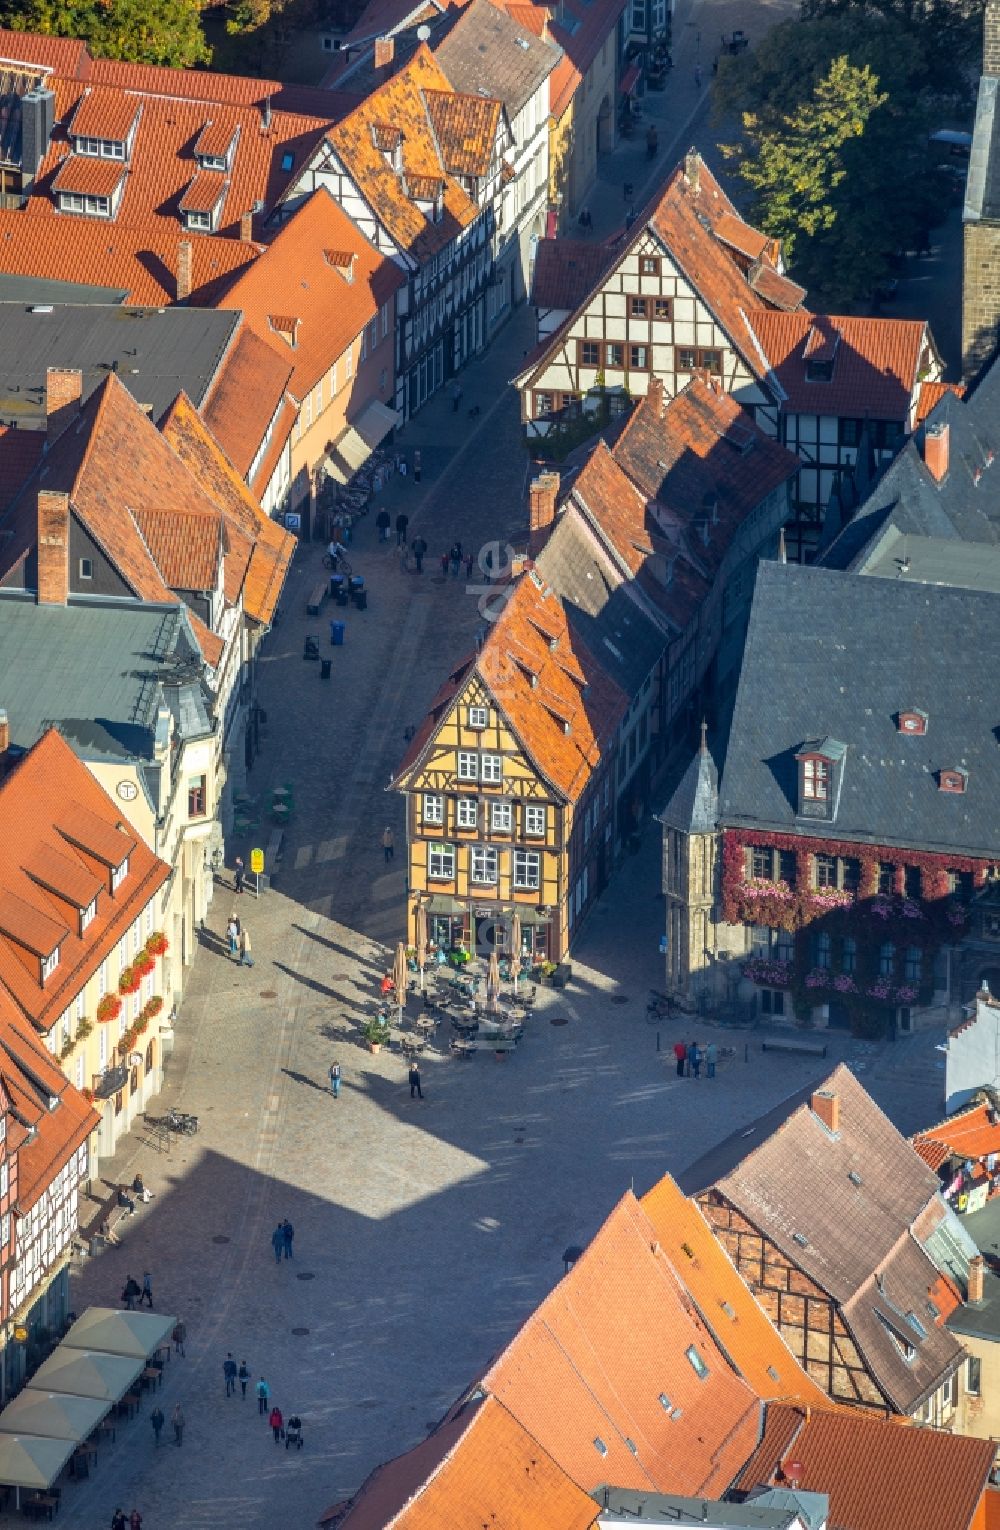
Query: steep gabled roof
(567, 270)
(486, 51)
(186, 545)
(693, 806)
(246, 396)
(972, 1133)
(875, 362)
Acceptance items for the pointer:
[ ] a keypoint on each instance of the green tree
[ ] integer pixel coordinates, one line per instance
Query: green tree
(139, 31)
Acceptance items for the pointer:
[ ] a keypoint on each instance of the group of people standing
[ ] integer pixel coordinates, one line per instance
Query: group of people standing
(281, 1240)
(690, 1055)
(239, 941)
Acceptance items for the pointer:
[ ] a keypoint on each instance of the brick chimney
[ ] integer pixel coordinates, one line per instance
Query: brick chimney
(991, 38)
(63, 394)
(977, 1280)
(183, 270)
(541, 509)
(4, 735)
(936, 442)
(385, 52)
(53, 547)
(826, 1104)
(692, 168)
(246, 227)
(656, 396)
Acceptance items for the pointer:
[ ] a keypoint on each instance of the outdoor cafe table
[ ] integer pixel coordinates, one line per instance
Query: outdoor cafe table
(39, 1504)
(152, 1376)
(81, 1459)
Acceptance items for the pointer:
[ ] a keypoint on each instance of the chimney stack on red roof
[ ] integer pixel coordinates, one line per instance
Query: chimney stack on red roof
(246, 226)
(826, 1104)
(385, 52)
(541, 509)
(656, 396)
(63, 394)
(4, 736)
(977, 1280)
(53, 547)
(184, 270)
(936, 450)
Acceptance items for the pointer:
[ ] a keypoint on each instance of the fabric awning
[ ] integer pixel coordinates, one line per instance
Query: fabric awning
(31, 1461)
(87, 1373)
(630, 79)
(54, 1415)
(136, 1334)
(353, 448)
(375, 422)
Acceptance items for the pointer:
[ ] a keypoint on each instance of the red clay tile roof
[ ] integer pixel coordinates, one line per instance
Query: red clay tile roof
(749, 241)
(64, 55)
(740, 1327)
(875, 362)
(465, 128)
(52, 804)
(567, 271)
(879, 1474)
(480, 1467)
(140, 259)
(20, 451)
(186, 545)
(88, 177)
(615, 1345)
(102, 115)
(330, 311)
(245, 397)
(774, 288)
(931, 394)
(204, 191)
(214, 139)
(402, 101)
(971, 1134)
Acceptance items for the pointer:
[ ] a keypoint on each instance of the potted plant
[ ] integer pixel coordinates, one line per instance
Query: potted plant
(144, 963)
(545, 971)
(157, 944)
(83, 1030)
(376, 1032)
(67, 1048)
(109, 1008)
(130, 980)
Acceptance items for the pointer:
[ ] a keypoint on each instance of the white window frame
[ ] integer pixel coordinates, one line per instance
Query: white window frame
(467, 813)
(468, 765)
(484, 865)
(102, 1046)
(198, 221)
(49, 965)
(433, 808)
(87, 914)
(527, 870)
(535, 821)
(441, 863)
(479, 718)
(502, 817)
(79, 1071)
(118, 875)
(491, 769)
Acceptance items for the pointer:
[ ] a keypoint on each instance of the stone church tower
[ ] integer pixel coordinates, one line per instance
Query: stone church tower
(690, 878)
(981, 214)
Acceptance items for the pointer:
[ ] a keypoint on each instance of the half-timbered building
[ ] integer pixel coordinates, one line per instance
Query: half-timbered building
(420, 168)
(518, 748)
(836, 1225)
(695, 291)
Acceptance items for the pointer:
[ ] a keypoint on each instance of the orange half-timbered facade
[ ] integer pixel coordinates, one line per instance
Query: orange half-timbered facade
(507, 782)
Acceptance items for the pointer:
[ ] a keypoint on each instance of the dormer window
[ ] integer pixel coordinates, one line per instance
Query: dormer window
(819, 371)
(820, 766)
(87, 914)
(118, 875)
(953, 780)
(49, 965)
(912, 721)
(215, 147)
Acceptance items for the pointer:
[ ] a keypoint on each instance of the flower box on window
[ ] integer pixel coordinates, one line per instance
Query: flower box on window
(109, 1008)
(157, 944)
(130, 980)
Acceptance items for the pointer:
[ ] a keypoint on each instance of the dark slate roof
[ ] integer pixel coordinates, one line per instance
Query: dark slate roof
(694, 805)
(623, 639)
(964, 506)
(487, 53)
(982, 186)
(839, 654)
(157, 353)
(41, 289)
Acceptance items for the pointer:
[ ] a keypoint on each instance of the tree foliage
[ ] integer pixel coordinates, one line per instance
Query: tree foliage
(836, 109)
(139, 31)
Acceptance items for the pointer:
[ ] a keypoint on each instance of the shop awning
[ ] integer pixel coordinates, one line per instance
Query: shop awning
(353, 448)
(440, 903)
(630, 79)
(54, 1415)
(136, 1334)
(87, 1373)
(31, 1461)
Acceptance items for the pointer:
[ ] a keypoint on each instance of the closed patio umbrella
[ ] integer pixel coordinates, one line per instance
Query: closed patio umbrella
(421, 940)
(493, 980)
(515, 951)
(400, 976)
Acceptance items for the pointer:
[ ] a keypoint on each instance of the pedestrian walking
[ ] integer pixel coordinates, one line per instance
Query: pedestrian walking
(630, 217)
(419, 547)
(131, 1290)
(246, 951)
(233, 935)
(711, 1058)
(263, 1393)
(135, 1520)
(276, 1422)
(179, 1335)
(287, 1233)
(239, 874)
(469, 561)
(335, 1080)
(697, 76)
(293, 1432)
(177, 1421)
(118, 1520)
(455, 557)
(229, 1371)
(388, 844)
(244, 1374)
(694, 1058)
(402, 521)
(403, 468)
(415, 1088)
(680, 1052)
(278, 1242)
(456, 396)
(416, 465)
(444, 564)
(156, 1419)
(387, 985)
(147, 1290)
(382, 521)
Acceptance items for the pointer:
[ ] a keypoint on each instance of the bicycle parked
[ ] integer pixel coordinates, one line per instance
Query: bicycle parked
(337, 565)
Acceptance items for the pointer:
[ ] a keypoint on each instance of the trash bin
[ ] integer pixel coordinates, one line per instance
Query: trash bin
(336, 633)
(341, 595)
(361, 599)
(325, 666)
(337, 583)
(357, 583)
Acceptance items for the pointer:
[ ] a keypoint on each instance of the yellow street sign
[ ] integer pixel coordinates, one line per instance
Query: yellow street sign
(256, 862)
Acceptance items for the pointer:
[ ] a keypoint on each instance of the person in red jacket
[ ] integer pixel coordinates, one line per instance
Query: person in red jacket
(680, 1052)
(276, 1422)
